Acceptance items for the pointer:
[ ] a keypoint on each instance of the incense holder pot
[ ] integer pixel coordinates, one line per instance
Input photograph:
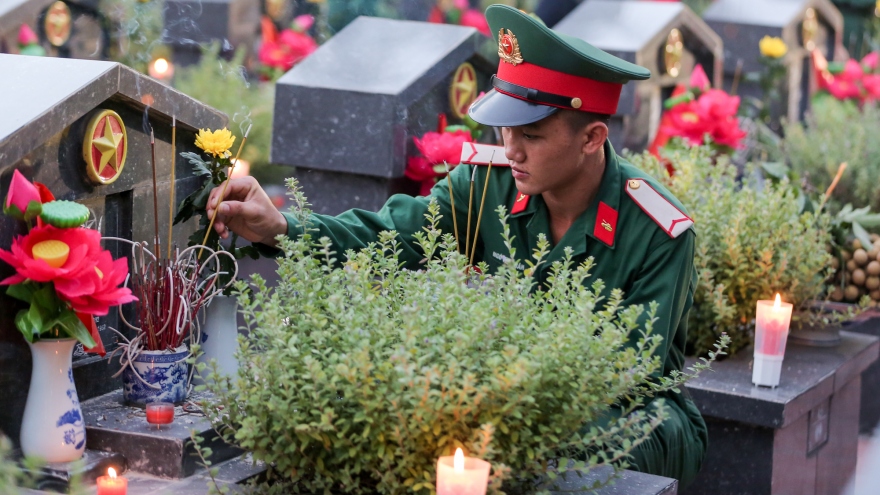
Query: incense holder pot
(162, 376)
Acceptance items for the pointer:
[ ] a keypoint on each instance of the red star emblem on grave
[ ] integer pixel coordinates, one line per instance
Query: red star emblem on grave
(463, 90)
(105, 147)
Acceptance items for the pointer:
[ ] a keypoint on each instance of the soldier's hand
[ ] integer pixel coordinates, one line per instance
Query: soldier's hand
(247, 211)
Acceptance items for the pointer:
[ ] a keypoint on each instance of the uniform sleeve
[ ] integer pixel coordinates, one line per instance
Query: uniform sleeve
(667, 276)
(356, 228)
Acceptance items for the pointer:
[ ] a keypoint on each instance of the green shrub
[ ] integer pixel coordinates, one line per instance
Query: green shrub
(751, 244)
(835, 132)
(358, 378)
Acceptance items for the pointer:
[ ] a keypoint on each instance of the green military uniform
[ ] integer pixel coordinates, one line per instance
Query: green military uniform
(638, 234)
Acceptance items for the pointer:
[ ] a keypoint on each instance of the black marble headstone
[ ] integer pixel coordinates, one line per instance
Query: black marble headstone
(800, 437)
(189, 24)
(638, 32)
(46, 106)
(346, 115)
(742, 24)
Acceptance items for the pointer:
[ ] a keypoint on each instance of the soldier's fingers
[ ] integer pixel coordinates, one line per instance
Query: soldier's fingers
(237, 189)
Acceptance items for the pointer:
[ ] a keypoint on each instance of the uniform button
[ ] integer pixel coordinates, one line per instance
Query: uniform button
(634, 184)
(576, 103)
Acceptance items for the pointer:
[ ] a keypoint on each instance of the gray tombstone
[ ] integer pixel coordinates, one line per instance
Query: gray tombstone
(192, 23)
(666, 38)
(14, 13)
(802, 25)
(345, 117)
(47, 106)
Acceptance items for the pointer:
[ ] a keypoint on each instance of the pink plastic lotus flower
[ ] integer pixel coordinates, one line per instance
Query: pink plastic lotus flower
(699, 79)
(475, 19)
(21, 194)
(26, 36)
(442, 147)
(107, 276)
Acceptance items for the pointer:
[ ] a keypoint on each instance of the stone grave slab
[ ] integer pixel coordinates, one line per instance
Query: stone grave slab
(47, 106)
(666, 38)
(802, 25)
(801, 437)
(346, 115)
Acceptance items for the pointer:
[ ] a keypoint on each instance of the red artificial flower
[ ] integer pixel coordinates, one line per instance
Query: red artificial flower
(288, 50)
(419, 170)
(21, 193)
(73, 278)
(713, 113)
(871, 61)
(442, 147)
(106, 277)
(273, 54)
(699, 79)
(300, 45)
(475, 19)
(871, 83)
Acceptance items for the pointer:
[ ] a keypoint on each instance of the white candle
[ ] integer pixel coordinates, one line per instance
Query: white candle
(771, 332)
(460, 475)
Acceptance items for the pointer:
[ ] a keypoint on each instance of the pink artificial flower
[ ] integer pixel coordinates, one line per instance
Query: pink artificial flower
(303, 23)
(699, 79)
(21, 193)
(871, 83)
(475, 19)
(107, 276)
(871, 61)
(26, 36)
(461, 4)
(443, 147)
(299, 45)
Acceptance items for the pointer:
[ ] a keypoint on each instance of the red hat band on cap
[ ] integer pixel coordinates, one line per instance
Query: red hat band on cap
(549, 87)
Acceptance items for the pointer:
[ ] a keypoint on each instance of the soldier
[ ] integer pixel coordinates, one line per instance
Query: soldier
(552, 95)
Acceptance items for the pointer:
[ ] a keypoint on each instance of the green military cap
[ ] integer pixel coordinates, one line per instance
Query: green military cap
(542, 71)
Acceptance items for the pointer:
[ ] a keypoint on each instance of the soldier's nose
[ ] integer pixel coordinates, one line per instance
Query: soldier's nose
(512, 152)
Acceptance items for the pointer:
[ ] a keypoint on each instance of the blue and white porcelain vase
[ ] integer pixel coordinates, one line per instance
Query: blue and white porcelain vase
(53, 428)
(167, 371)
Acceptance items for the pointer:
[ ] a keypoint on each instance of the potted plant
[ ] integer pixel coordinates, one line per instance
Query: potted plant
(360, 373)
(66, 278)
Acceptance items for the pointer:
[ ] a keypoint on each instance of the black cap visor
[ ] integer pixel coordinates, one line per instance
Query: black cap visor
(499, 110)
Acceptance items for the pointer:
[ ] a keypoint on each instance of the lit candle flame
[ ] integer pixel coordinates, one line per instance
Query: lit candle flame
(777, 305)
(458, 461)
(112, 473)
(161, 66)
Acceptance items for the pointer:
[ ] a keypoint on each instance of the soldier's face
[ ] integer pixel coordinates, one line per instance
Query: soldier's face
(545, 156)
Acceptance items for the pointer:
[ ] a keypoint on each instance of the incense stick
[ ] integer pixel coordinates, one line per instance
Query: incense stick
(480, 214)
(225, 185)
(171, 197)
(452, 203)
(833, 185)
(467, 241)
(155, 193)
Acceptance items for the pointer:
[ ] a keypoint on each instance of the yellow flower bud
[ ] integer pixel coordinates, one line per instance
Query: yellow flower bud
(772, 47)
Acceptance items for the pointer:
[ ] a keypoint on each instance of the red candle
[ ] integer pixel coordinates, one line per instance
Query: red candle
(111, 484)
(160, 413)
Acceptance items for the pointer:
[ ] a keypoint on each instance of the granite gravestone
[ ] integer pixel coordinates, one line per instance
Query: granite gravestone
(800, 437)
(346, 116)
(666, 38)
(43, 123)
(189, 24)
(803, 25)
(14, 13)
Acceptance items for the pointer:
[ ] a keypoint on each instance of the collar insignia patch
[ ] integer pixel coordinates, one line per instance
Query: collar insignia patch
(520, 204)
(508, 47)
(606, 221)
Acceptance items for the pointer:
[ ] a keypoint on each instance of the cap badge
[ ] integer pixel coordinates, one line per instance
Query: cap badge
(508, 47)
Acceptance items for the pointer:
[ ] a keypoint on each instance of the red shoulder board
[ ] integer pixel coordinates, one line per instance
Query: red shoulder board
(520, 203)
(483, 154)
(672, 220)
(606, 224)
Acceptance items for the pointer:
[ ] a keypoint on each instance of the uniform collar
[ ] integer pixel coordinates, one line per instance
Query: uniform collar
(590, 223)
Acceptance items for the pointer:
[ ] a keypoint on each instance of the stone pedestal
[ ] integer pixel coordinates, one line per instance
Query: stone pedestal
(166, 452)
(869, 415)
(799, 438)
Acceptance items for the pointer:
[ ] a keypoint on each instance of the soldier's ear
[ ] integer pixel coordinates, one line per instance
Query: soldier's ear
(595, 135)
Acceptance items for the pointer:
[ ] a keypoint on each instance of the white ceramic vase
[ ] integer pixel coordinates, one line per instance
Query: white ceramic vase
(53, 428)
(220, 335)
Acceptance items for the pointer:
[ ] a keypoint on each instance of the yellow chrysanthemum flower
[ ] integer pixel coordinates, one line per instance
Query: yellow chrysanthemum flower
(215, 143)
(772, 47)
